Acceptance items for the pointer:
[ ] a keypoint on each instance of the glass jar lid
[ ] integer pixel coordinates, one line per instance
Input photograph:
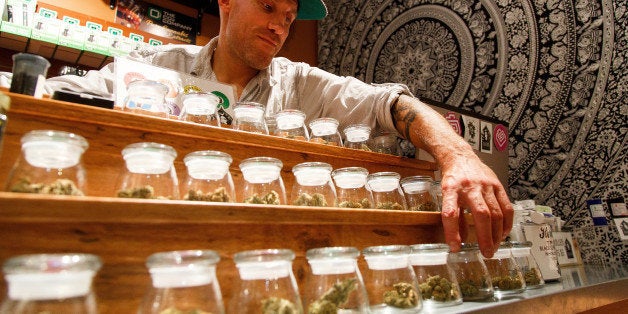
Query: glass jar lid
(261, 169)
(324, 126)
(200, 103)
(50, 276)
(147, 87)
(53, 149)
(383, 181)
(357, 132)
(178, 269)
(416, 184)
(312, 173)
(333, 260)
(386, 257)
(264, 264)
(429, 254)
(207, 164)
(149, 158)
(350, 177)
(290, 119)
(249, 111)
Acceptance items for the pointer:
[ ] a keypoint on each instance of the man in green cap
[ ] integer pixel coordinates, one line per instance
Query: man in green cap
(243, 55)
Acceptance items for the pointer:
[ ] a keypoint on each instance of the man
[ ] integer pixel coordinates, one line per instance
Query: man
(243, 55)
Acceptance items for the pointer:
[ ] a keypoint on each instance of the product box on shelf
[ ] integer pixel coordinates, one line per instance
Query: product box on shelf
(97, 40)
(46, 26)
(17, 18)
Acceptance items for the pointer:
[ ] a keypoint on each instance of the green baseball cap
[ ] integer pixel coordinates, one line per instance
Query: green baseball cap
(311, 10)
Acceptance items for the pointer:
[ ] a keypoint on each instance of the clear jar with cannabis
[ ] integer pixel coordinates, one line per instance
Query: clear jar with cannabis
(390, 280)
(50, 283)
(290, 123)
(50, 163)
(437, 191)
(418, 193)
(262, 181)
(334, 283)
(473, 276)
(150, 172)
(357, 136)
(521, 252)
(249, 117)
(183, 282)
(201, 108)
(267, 284)
(437, 280)
(351, 189)
(325, 131)
(385, 143)
(387, 193)
(313, 185)
(505, 273)
(208, 177)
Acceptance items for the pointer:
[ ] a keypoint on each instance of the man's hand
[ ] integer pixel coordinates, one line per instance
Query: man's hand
(467, 183)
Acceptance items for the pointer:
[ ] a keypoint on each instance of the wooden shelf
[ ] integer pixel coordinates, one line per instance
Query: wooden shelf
(124, 232)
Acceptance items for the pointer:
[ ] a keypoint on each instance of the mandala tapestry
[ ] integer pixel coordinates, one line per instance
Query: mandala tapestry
(554, 70)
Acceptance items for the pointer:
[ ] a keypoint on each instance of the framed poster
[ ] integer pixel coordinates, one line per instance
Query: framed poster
(622, 227)
(617, 206)
(567, 252)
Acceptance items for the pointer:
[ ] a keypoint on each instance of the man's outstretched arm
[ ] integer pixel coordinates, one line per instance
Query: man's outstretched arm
(466, 181)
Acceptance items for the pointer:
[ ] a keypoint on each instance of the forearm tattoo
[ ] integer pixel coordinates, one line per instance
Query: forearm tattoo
(404, 115)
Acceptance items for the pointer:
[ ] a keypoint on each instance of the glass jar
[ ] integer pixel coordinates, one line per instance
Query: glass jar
(387, 193)
(50, 163)
(325, 131)
(351, 187)
(146, 97)
(5, 103)
(334, 284)
(150, 172)
(208, 177)
(271, 124)
(418, 193)
(313, 185)
(437, 191)
(262, 181)
(522, 253)
(50, 283)
(183, 282)
(473, 277)
(437, 280)
(385, 143)
(357, 136)
(201, 108)
(267, 284)
(290, 123)
(505, 273)
(249, 117)
(390, 280)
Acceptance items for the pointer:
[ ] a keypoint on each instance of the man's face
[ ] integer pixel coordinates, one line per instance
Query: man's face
(257, 29)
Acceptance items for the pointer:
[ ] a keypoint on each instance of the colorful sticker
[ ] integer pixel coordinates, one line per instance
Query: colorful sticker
(486, 137)
(471, 127)
(453, 121)
(500, 137)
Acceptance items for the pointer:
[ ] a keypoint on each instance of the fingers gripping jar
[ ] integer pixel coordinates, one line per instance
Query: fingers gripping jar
(183, 282)
(521, 252)
(357, 136)
(50, 164)
(290, 123)
(471, 272)
(249, 117)
(334, 284)
(387, 193)
(50, 283)
(325, 131)
(505, 273)
(313, 185)
(418, 193)
(208, 177)
(267, 284)
(390, 280)
(351, 187)
(150, 172)
(262, 181)
(437, 280)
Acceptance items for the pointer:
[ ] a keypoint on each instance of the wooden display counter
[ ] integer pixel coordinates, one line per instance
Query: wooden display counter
(124, 232)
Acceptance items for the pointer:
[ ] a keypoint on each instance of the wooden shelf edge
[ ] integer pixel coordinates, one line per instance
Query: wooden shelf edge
(30, 208)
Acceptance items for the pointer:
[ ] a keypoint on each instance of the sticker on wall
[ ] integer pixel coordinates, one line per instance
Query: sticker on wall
(454, 122)
(486, 137)
(500, 137)
(471, 127)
